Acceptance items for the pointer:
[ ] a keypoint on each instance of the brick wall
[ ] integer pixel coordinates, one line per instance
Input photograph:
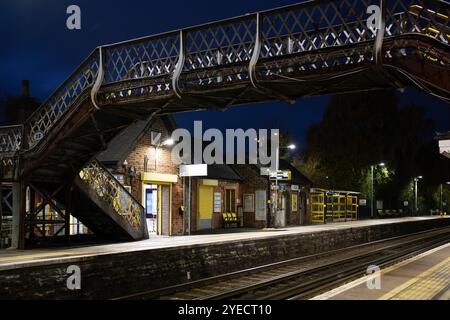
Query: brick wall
(163, 164)
(252, 181)
(216, 216)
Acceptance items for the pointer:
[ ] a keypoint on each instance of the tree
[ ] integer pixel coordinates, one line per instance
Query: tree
(363, 129)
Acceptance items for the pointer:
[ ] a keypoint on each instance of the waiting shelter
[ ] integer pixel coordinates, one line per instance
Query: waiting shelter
(333, 206)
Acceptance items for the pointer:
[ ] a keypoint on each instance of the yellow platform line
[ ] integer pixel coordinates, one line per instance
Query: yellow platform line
(348, 286)
(424, 286)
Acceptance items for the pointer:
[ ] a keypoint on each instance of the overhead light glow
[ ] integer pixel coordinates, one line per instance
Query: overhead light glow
(169, 142)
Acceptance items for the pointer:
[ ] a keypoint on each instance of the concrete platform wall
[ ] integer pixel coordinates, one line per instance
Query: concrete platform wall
(112, 275)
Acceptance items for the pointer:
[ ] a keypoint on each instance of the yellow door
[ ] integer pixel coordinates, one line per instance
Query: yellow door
(205, 207)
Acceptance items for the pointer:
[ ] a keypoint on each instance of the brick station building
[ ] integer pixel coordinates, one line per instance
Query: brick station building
(144, 166)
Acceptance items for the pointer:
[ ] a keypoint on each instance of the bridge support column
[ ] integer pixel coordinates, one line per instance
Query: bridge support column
(67, 214)
(1, 215)
(18, 221)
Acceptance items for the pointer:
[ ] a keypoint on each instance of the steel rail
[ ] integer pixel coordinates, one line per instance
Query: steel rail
(361, 267)
(332, 280)
(211, 280)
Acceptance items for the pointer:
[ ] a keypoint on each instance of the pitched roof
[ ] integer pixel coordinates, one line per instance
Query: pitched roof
(223, 172)
(119, 147)
(443, 136)
(122, 144)
(296, 176)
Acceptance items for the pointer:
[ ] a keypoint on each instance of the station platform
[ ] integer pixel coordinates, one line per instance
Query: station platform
(120, 269)
(423, 277)
(11, 259)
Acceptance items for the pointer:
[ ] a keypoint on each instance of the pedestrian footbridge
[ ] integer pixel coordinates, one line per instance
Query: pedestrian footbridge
(312, 48)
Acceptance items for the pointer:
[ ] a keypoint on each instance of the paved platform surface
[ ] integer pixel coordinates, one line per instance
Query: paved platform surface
(10, 259)
(424, 277)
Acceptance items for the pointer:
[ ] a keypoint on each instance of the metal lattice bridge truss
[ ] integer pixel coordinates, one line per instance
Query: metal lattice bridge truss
(306, 49)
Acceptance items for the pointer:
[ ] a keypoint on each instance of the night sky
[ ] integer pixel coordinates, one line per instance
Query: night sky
(36, 45)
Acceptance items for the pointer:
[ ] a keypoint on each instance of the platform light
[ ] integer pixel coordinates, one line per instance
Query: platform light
(291, 146)
(168, 142)
(416, 191)
(382, 164)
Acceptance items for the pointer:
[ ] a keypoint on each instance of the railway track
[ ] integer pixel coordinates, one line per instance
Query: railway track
(303, 277)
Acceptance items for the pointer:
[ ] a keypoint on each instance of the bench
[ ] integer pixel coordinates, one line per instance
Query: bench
(230, 220)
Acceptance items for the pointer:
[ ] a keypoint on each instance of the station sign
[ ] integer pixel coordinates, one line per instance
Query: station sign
(193, 170)
(284, 175)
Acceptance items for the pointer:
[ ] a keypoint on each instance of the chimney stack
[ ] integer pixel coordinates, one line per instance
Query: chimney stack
(25, 88)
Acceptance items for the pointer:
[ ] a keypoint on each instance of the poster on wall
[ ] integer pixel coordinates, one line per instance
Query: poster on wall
(217, 202)
(120, 178)
(379, 205)
(249, 202)
(294, 202)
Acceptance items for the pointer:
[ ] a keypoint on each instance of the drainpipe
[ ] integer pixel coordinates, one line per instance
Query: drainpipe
(1, 216)
(189, 206)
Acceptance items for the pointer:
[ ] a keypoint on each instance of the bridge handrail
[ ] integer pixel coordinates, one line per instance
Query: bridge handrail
(57, 104)
(10, 139)
(106, 186)
(244, 35)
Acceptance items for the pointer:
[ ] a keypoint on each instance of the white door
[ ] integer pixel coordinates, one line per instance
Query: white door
(280, 219)
(151, 207)
(260, 208)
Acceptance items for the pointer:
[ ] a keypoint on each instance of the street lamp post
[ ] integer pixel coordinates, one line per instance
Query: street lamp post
(372, 191)
(442, 196)
(447, 201)
(416, 191)
(277, 165)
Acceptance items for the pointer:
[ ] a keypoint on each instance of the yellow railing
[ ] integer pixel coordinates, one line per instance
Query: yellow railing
(333, 206)
(317, 207)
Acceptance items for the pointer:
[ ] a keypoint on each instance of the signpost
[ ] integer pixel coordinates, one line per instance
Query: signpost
(278, 175)
(193, 170)
(281, 175)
